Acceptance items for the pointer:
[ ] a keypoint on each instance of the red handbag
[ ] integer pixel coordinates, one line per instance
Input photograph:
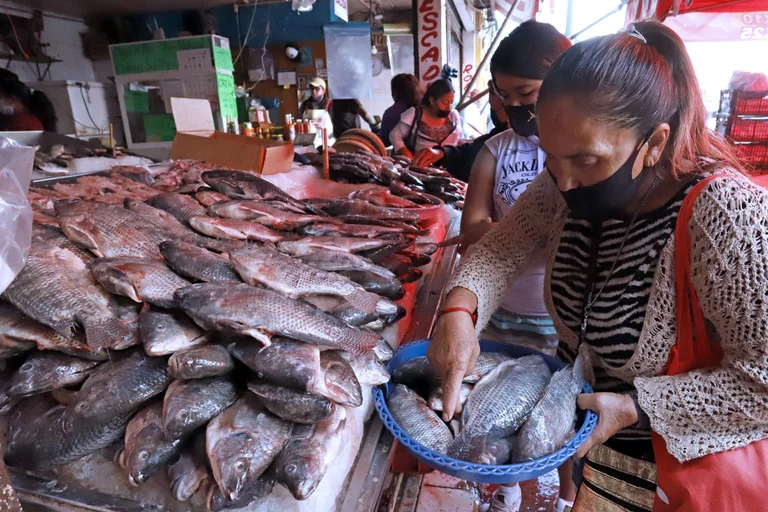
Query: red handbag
(730, 481)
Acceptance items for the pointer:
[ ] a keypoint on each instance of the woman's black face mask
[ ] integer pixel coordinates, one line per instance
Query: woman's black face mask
(522, 119)
(606, 198)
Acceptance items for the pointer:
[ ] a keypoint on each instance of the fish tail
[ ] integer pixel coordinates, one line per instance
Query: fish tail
(105, 333)
(460, 448)
(582, 367)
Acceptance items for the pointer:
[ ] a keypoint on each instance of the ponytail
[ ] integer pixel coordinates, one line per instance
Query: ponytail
(640, 79)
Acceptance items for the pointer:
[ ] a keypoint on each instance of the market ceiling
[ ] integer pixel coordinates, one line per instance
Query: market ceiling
(643, 9)
(107, 8)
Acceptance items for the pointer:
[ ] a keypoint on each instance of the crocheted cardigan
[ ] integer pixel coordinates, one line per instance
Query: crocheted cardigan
(700, 412)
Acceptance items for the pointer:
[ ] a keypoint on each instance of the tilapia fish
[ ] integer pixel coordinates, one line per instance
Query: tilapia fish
(339, 382)
(499, 404)
(383, 198)
(109, 231)
(242, 442)
(245, 185)
(411, 412)
(180, 206)
(484, 364)
(189, 405)
(200, 362)
(138, 279)
(304, 246)
(285, 362)
(261, 488)
(265, 214)
(304, 461)
(198, 264)
(55, 236)
(292, 405)
(360, 210)
(118, 388)
(390, 288)
(165, 332)
(550, 424)
(209, 197)
(400, 189)
(244, 309)
(187, 474)
(173, 228)
(257, 265)
(337, 261)
(46, 371)
(368, 369)
(435, 400)
(234, 229)
(56, 289)
(146, 448)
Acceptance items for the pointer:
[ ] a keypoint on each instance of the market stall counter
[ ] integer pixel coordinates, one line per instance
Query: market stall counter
(345, 275)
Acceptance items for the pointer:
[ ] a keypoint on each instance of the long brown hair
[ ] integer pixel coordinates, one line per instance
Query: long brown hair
(640, 79)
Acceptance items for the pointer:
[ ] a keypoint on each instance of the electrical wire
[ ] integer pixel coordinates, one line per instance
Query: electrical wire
(13, 27)
(267, 33)
(88, 110)
(247, 32)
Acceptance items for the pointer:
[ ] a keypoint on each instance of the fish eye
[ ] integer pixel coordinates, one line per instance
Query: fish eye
(161, 327)
(144, 455)
(290, 468)
(183, 414)
(26, 367)
(81, 406)
(241, 466)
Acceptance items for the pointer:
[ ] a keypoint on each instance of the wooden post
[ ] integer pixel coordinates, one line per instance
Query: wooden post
(326, 161)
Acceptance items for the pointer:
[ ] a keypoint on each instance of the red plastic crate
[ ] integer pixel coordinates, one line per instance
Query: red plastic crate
(744, 103)
(755, 155)
(748, 130)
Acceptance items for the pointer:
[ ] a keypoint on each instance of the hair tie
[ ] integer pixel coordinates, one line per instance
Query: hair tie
(632, 31)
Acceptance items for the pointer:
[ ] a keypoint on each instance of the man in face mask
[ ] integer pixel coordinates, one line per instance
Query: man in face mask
(318, 100)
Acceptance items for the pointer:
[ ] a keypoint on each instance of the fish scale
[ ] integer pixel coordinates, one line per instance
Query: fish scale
(412, 413)
(180, 206)
(139, 279)
(46, 371)
(197, 263)
(245, 185)
(499, 404)
(188, 405)
(265, 214)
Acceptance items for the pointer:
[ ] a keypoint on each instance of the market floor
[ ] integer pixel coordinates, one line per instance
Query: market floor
(443, 493)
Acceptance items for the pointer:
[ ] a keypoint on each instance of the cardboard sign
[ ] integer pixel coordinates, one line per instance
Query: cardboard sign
(430, 35)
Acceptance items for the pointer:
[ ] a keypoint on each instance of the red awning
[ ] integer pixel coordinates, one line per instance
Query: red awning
(660, 9)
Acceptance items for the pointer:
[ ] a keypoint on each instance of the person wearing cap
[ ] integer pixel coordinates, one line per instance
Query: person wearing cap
(318, 100)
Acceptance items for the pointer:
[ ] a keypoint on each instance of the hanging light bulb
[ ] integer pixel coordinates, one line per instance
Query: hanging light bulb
(302, 5)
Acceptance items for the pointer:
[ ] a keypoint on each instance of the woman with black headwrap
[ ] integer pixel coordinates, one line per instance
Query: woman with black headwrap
(504, 168)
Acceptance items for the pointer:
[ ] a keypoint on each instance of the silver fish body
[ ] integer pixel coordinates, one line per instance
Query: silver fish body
(180, 206)
(307, 245)
(46, 371)
(245, 185)
(263, 213)
(335, 261)
(197, 263)
(165, 332)
(200, 362)
(285, 362)
(188, 405)
(484, 364)
(357, 209)
(292, 405)
(138, 279)
(234, 229)
(411, 412)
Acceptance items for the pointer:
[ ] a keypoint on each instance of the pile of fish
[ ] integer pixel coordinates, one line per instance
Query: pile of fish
(58, 159)
(215, 334)
(513, 410)
(418, 184)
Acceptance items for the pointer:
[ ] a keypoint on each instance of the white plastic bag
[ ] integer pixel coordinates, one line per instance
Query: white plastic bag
(16, 162)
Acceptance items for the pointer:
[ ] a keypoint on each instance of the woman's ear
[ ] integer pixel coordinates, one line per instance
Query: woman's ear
(656, 144)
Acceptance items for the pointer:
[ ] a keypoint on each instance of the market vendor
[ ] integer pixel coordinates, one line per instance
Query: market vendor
(622, 123)
(346, 114)
(318, 100)
(22, 109)
(432, 124)
(406, 93)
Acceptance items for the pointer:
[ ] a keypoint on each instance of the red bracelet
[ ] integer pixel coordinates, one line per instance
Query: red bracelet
(454, 310)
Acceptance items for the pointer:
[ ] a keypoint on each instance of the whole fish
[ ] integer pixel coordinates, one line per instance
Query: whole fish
(200, 362)
(109, 231)
(146, 448)
(383, 198)
(292, 405)
(288, 363)
(485, 363)
(189, 405)
(400, 189)
(550, 424)
(51, 440)
(411, 412)
(265, 214)
(245, 185)
(499, 404)
(173, 228)
(389, 288)
(435, 400)
(209, 197)
(46, 371)
(244, 309)
(55, 236)
(56, 289)
(138, 279)
(338, 261)
(198, 264)
(258, 490)
(258, 265)
(304, 461)
(353, 230)
(164, 332)
(368, 369)
(117, 389)
(234, 229)
(307, 245)
(187, 474)
(132, 172)
(498, 451)
(361, 210)
(242, 442)
(339, 382)
(180, 206)
(341, 309)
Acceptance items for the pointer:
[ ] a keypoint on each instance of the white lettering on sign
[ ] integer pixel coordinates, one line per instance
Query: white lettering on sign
(340, 9)
(430, 37)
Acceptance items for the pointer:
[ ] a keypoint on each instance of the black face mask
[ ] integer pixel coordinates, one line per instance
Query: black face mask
(522, 119)
(497, 123)
(442, 113)
(605, 198)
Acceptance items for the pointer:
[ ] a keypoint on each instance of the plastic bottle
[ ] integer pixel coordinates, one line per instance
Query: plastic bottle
(290, 128)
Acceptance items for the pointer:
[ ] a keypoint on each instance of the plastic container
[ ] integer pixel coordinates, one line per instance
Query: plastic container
(510, 473)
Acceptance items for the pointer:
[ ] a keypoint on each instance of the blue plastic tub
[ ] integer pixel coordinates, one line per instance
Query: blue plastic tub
(510, 473)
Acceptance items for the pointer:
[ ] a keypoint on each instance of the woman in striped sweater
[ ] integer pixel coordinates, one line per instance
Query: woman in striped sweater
(622, 123)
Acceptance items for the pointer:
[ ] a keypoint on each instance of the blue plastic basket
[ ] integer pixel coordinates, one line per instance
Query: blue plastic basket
(585, 424)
